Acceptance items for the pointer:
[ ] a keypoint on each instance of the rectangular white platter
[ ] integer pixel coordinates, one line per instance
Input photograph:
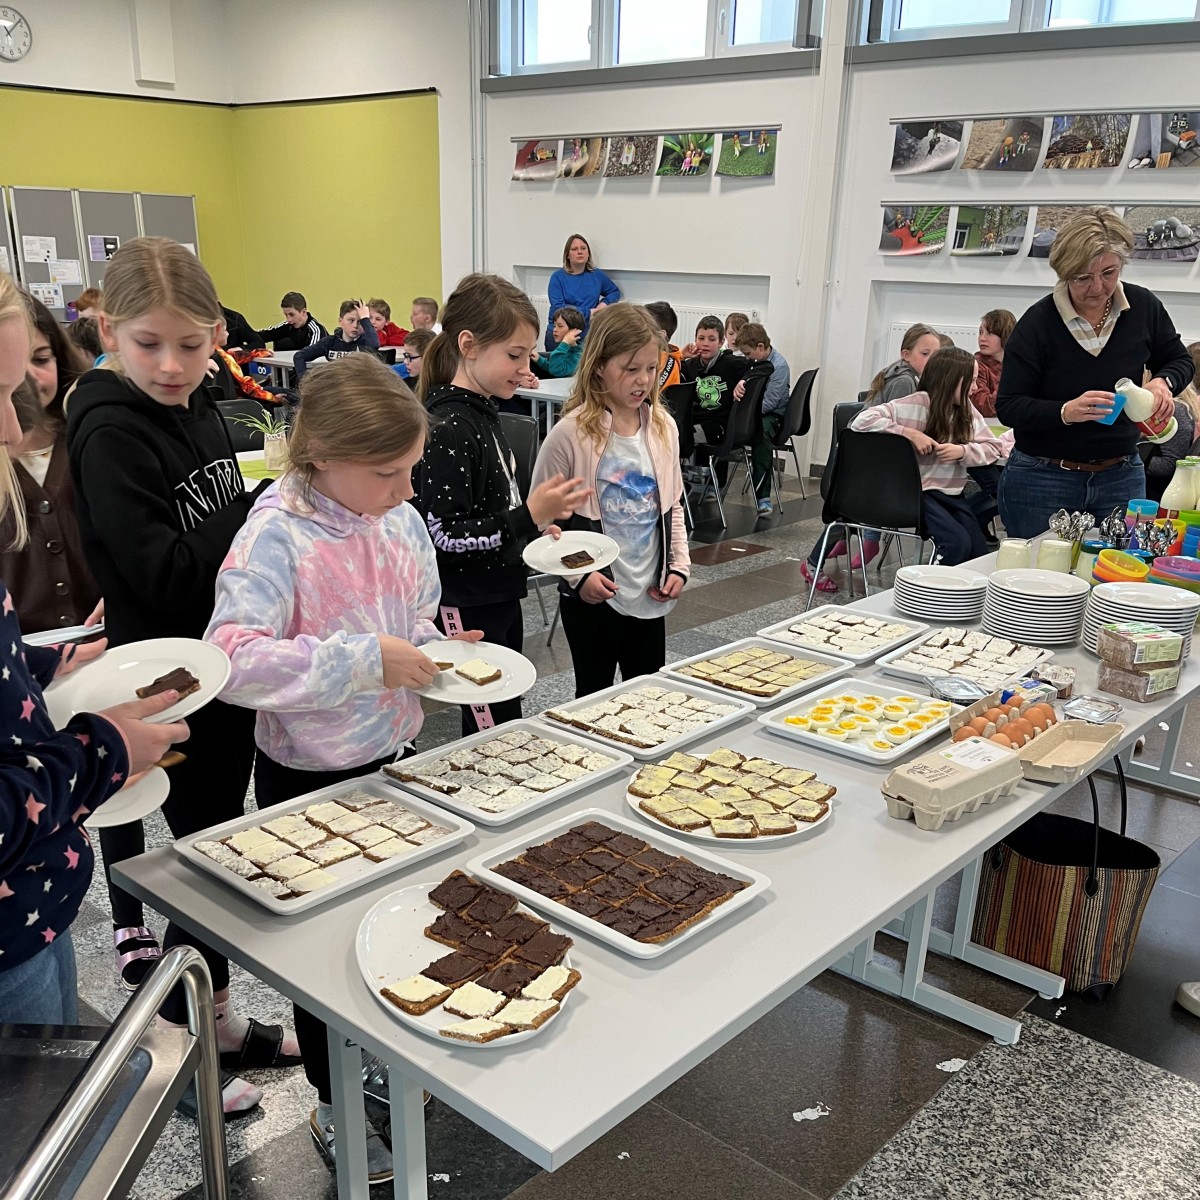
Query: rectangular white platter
(837, 667)
(886, 664)
(563, 733)
(352, 873)
(779, 633)
(481, 867)
(648, 753)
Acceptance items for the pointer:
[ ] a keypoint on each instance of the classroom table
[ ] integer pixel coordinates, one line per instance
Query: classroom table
(610, 1051)
(280, 362)
(549, 396)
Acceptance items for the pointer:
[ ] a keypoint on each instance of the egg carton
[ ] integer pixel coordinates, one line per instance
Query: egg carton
(1017, 706)
(932, 821)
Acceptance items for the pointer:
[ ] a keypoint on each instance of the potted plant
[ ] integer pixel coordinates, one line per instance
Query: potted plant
(273, 426)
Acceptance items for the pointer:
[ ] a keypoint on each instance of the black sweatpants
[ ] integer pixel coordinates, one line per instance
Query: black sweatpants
(275, 784)
(602, 639)
(117, 843)
(501, 623)
(206, 789)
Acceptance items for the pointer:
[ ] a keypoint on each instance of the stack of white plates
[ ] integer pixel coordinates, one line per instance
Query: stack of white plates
(943, 594)
(1039, 608)
(1172, 608)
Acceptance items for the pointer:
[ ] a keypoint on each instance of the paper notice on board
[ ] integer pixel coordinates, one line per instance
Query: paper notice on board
(65, 270)
(102, 246)
(50, 294)
(38, 249)
(189, 246)
(4, 260)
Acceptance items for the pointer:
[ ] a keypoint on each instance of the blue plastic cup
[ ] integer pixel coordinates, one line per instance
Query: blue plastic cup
(1118, 404)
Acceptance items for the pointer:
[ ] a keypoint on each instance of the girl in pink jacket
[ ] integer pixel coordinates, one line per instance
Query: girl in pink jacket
(619, 438)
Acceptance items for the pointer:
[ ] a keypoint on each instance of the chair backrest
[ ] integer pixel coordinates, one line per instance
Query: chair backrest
(679, 400)
(242, 438)
(876, 482)
(522, 434)
(743, 426)
(843, 414)
(797, 421)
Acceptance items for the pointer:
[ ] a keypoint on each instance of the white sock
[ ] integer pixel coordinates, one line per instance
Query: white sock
(232, 1028)
(324, 1115)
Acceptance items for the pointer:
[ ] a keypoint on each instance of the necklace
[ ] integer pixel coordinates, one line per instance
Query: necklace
(1103, 316)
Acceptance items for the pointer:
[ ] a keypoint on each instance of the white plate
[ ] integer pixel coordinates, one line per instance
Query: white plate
(72, 633)
(938, 578)
(837, 666)
(545, 554)
(482, 864)
(133, 802)
(779, 633)
(774, 722)
(888, 666)
(1144, 596)
(564, 733)
(706, 834)
(115, 676)
(1030, 581)
(646, 753)
(352, 873)
(517, 676)
(391, 945)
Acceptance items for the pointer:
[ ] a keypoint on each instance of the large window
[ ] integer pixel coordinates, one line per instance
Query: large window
(549, 35)
(914, 20)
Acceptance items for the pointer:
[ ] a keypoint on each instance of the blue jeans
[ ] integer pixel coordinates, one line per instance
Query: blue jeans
(1031, 489)
(951, 523)
(42, 989)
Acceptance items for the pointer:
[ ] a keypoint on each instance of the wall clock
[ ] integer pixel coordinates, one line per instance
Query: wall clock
(16, 37)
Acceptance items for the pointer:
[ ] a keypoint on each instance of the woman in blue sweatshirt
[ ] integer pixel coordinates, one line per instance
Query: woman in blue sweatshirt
(580, 284)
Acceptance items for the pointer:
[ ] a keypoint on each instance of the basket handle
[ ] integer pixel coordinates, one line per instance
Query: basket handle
(1124, 793)
(1092, 884)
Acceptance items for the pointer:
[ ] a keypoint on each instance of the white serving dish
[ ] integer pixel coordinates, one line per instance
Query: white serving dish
(707, 836)
(1035, 583)
(563, 733)
(938, 578)
(647, 753)
(133, 802)
(837, 666)
(518, 674)
(779, 633)
(352, 873)
(481, 867)
(391, 945)
(774, 722)
(888, 666)
(545, 554)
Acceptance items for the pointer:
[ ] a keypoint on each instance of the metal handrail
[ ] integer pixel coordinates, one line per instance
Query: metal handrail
(49, 1151)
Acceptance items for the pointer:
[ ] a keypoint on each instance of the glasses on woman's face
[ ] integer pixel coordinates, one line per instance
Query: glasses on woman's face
(1105, 276)
(409, 357)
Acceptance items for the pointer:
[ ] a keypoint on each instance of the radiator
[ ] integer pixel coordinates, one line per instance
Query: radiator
(689, 315)
(965, 336)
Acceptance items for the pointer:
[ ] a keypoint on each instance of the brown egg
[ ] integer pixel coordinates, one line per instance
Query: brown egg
(1038, 722)
(994, 715)
(1020, 729)
(1044, 711)
(1011, 703)
(1001, 740)
(977, 725)
(961, 735)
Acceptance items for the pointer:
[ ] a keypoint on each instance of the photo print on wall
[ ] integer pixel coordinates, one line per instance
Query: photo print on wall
(536, 161)
(1164, 233)
(1007, 145)
(582, 158)
(748, 152)
(1087, 141)
(631, 154)
(924, 146)
(914, 228)
(994, 231)
(686, 154)
(1165, 139)
(1050, 218)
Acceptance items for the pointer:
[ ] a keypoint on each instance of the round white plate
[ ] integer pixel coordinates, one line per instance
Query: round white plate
(950, 579)
(133, 802)
(391, 945)
(544, 554)
(707, 835)
(1030, 581)
(1145, 596)
(517, 673)
(115, 676)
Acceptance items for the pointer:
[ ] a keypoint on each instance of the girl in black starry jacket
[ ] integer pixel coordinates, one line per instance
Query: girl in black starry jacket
(467, 483)
(50, 781)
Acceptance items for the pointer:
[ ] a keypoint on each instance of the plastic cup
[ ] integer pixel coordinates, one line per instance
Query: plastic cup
(1118, 405)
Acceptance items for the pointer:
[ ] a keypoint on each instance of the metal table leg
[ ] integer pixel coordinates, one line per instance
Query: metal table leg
(408, 1137)
(349, 1116)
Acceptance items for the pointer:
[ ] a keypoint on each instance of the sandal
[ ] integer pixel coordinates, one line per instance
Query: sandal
(133, 965)
(822, 582)
(236, 1101)
(260, 1048)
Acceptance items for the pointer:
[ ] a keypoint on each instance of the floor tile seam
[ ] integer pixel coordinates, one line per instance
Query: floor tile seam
(1182, 891)
(802, 1192)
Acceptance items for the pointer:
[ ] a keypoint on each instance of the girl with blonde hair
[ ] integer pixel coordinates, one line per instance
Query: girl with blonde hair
(617, 436)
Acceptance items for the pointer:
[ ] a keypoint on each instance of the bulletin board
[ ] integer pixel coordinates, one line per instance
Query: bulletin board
(46, 238)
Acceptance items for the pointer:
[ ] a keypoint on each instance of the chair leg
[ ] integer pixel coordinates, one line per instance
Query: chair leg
(799, 473)
(750, 484)
(537, 587)
(889, 540)
(712, 471)
(812, 587)
(862, 561)
(688, 520)
(775, 485)
(554, 625)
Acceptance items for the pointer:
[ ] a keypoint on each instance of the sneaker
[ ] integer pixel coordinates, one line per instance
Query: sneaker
(379, 1156)
(822, 582)
(765, 508)
(869, 554)
(1187, 995)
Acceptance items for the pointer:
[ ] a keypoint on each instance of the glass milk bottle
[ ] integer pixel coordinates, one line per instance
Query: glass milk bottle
(1139, 408)
(1180, 494)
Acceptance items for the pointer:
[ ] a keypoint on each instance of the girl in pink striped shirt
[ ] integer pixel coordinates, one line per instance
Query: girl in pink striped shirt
(949, 436)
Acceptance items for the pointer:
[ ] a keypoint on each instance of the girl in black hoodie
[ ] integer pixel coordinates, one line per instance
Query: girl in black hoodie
(160, 498)
(467, 484)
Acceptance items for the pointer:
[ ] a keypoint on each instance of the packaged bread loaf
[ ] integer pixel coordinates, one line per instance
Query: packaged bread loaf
(1138, 645)
(1142, 684)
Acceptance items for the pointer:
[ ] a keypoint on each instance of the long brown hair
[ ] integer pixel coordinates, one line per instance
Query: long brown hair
(66, 355)
(912, 335)
(577, 237)
(946, 380)
(356, 409)
(12, 308)
(487, 306)
(616, 331)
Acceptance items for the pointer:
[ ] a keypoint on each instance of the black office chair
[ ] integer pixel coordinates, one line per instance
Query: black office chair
(679, 400)
(855, 499)
(797, 420)
(242, 437)
(743, 428)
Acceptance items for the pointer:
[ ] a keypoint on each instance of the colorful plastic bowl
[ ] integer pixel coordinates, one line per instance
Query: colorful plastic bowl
(1115, 566)
(1178, 565)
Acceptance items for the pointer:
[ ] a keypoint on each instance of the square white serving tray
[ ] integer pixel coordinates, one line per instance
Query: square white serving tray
(352, 873)
(481, 867)
(837, 667)
(774, 722)
(565, 733)
(885, 663)
(779, 633)
(650, 753)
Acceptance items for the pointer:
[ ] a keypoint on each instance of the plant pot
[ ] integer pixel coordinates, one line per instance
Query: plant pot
(275, 451)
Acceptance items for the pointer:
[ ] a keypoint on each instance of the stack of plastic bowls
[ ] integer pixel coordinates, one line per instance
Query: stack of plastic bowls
(1115, 566)
(1176, 571)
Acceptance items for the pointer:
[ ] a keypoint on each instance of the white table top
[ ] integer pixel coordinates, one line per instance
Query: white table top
(550, 390)
(278, 358)
(631, 1027)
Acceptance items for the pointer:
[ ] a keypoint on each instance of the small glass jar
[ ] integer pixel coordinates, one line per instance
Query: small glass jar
(1054, 554)
(1087, 556)
(1013, 552)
